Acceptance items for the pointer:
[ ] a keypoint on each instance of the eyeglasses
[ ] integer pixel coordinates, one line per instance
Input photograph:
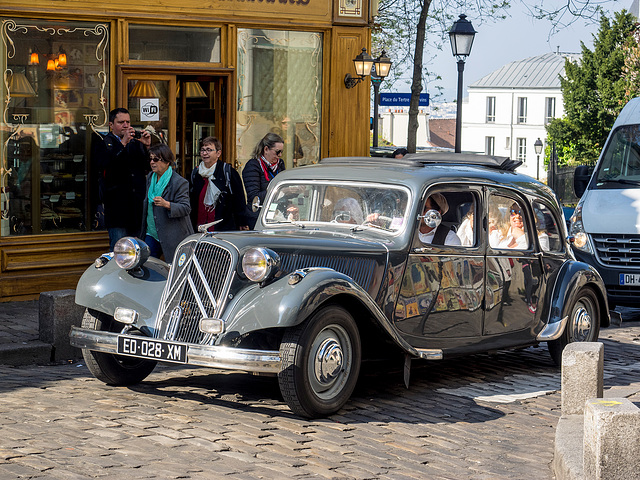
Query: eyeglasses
(207, 150)
(153, 158)
(516, 212)
(278, 152)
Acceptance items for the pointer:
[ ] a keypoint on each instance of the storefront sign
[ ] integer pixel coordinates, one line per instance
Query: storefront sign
(402, 99)
(150, 109)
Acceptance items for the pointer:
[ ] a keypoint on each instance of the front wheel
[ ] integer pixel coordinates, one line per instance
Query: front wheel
(320, 362)
(583, 324)
(106, 367)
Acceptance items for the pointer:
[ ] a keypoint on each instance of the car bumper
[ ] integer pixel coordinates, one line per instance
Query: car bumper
(228, 358)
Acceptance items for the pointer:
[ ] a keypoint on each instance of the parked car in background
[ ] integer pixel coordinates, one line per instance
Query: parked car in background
(605, 226)
(338, 270)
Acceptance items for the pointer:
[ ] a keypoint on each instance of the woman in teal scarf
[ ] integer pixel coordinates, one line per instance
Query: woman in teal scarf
(167, 222)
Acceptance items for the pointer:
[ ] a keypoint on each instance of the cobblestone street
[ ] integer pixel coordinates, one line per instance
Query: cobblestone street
(487, 416)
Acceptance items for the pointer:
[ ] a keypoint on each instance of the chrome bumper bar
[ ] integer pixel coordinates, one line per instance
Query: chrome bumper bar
(552, 331)
(227, 358)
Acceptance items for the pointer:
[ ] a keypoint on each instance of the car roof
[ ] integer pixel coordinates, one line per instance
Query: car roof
(417, 170)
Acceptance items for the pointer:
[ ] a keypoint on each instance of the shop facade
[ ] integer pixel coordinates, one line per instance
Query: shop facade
(234, 69)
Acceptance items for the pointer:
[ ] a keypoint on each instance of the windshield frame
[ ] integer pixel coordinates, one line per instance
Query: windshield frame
(342, 226)
(603, 178)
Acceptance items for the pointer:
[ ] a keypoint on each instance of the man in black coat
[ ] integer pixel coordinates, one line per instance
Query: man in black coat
(122, 162)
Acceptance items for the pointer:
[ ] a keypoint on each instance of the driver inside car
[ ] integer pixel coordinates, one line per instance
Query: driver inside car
(347, 210)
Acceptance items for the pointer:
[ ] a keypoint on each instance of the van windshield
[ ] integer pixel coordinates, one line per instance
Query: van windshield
(620, 163)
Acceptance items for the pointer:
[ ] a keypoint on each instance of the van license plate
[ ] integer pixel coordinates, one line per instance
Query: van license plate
(152, 349)
(630, 279)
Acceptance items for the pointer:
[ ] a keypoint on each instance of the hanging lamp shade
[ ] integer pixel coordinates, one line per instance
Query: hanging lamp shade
(62, 60)
(191, 90)
(144, 89)
(19, 86)
(34, 58)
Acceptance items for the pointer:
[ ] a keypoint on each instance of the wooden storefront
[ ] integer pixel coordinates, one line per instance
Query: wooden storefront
(256, 66)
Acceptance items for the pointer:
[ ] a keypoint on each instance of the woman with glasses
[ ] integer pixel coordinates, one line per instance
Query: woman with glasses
(166, 206)
(265, 164)
(515, 236)
(216, 191)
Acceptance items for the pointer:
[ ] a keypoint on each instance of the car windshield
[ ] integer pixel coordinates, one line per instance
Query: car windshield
(620, 164)
(382, 207)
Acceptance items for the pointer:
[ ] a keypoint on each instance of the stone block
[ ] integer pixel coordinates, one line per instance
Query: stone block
(582, 375)
(57, 313)
(611, 439)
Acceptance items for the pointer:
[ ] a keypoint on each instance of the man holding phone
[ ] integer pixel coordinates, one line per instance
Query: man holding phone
(122, 162)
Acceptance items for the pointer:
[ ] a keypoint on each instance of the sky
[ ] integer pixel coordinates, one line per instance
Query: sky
(515, 38)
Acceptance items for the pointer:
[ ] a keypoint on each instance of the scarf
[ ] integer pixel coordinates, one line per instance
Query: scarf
(156, 187)
(269, 170)
(213, 192)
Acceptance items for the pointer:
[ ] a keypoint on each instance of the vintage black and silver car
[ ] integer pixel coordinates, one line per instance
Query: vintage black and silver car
(430, 256)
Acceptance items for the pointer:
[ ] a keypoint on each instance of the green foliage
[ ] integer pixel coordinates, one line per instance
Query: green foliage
(593, 93)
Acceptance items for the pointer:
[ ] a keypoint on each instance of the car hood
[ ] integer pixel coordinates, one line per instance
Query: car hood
(612, 211)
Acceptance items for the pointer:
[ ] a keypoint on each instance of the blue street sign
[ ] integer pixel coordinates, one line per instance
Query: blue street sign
(401, 99)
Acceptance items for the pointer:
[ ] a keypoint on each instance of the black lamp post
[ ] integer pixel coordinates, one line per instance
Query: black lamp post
(461, 36)
(381, 66)
(538, 148)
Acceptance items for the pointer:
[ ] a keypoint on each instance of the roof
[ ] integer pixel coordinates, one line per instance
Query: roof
(442, 132)
(542, 71)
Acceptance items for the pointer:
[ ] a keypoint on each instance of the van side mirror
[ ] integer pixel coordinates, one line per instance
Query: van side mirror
(581, 178)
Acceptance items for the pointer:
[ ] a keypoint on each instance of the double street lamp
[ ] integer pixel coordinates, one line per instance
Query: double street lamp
(461, 37)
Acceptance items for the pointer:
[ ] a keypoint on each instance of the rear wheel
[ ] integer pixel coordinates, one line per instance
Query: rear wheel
(320, 362)
(583, 324)
(109, 368)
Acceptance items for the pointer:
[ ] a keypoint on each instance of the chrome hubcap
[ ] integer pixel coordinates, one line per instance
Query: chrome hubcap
(581, 323)
(329, 361)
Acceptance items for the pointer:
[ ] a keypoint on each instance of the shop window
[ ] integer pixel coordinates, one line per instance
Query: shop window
(187, 44)
(279, 90)
(56, 97)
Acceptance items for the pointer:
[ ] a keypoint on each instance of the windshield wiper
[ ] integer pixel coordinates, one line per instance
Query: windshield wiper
(623, 181)
(289, 222)
(366, 225)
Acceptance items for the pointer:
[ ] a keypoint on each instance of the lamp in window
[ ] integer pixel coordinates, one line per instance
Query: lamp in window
(19, 86)
(191, 90)
(362, 63)
(144, 89)
(34, 58)
(62, 58)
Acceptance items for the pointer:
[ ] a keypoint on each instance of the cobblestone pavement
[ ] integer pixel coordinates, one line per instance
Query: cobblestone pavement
(482, 417)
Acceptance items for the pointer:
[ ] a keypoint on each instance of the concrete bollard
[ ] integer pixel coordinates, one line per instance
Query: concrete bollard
(611, 439)
(57, 313)
(582, 375)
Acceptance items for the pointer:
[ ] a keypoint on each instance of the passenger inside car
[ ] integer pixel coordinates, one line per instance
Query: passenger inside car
(347, 210)
(508, 229)
(432, 230)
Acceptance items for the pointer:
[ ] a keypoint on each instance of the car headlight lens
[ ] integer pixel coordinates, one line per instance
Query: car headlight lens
(130, 252)
(260, 264)
(580, 237)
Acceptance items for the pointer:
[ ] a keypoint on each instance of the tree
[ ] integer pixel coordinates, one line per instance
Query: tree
(593, 93)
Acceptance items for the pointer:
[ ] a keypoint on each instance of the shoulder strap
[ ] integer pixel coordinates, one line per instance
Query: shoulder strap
(227, 170)
(441, 234)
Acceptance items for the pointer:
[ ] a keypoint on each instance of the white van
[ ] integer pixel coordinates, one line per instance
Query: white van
(606, 223)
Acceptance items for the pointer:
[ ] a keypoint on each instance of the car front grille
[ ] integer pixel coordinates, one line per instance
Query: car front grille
(194, 290)
(618, 250)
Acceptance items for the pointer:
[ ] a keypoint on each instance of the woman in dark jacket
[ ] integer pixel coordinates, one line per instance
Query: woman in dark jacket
(230, 207)
(263, 166)
(167, 222)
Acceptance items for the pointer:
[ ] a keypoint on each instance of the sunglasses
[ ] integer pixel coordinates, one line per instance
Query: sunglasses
(278, 152)
(516, 212)
(153, 158)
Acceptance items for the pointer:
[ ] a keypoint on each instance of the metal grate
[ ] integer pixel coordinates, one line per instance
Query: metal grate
(619, 250)
(360, 269)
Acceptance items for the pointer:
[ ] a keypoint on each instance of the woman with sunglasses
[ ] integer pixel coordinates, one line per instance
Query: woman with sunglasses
(265, 164)
(166, 206)
(516, 237)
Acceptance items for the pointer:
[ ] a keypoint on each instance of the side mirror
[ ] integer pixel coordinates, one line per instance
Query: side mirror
(255, 204)
(581, 178)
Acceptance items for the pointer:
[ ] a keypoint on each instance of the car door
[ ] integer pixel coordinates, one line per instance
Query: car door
(440, 299)
(513, 267)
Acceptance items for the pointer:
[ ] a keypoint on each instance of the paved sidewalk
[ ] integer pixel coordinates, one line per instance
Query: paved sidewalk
(19, 335)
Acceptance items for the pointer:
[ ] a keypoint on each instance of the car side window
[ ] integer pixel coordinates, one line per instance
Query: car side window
(455, 221)
(507, 224)
(547, 228)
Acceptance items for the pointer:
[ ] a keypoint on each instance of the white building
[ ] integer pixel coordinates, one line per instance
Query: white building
(507, 110)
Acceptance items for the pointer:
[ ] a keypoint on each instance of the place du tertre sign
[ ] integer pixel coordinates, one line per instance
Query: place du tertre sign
(401, 99)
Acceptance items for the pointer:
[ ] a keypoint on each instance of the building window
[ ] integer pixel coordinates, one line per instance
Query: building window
(491, 109)
(522, 109)
(550, 109)
(279, 90)
(188, 44)
(490, 145)
(521, 149)
(57, 95)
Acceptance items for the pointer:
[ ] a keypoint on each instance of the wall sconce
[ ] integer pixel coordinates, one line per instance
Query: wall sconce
(145, 89)
(362, 64)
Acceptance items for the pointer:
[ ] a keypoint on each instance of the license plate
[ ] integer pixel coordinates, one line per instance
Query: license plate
(630, 279)
(152, 349)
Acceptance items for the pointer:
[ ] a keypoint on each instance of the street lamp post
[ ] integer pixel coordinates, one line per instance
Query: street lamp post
(461, 37)
(538, 148)
(381, 66)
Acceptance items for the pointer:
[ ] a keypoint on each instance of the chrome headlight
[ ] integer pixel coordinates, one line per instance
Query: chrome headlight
(580, 237)
(260, 264)
(130, 252)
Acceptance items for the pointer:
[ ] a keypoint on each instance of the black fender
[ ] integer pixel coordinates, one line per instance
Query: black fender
(290, 300)
(105, 288)
(571, 278)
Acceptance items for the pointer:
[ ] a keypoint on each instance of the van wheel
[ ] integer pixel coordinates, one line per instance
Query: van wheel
(320, 362)
(106, 367)
(583, 324)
